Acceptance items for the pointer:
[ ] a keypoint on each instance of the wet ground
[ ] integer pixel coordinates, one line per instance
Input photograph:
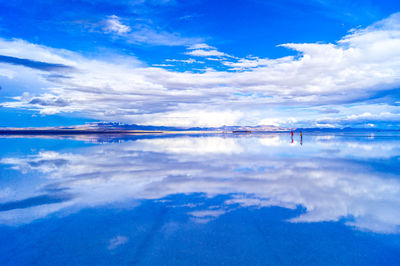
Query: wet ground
(267, 199)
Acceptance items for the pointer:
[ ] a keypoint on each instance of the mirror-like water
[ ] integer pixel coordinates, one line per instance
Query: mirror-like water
(218, 199)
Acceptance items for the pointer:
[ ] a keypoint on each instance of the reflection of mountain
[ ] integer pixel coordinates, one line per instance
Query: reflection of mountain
(112, 131)
(331, 177)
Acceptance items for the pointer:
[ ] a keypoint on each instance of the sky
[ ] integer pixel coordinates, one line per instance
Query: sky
(314, 63)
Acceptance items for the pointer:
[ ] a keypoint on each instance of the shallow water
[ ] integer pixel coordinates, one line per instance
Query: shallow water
(327, 199)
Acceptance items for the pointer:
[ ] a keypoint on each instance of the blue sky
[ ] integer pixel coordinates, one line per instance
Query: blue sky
(200, 63)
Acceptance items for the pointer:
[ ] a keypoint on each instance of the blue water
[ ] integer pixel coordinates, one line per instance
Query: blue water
(328, 199)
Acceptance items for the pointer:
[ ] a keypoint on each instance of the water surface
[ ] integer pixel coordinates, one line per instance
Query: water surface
(266, 199)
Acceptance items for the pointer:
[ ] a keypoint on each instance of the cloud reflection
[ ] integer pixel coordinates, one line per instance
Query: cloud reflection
(351, 184)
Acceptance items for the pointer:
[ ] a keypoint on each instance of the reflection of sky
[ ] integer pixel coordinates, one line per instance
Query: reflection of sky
(202, 200)
(349, 178)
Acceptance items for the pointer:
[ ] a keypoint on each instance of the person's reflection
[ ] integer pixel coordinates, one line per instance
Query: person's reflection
(301, 138)
(291, 133)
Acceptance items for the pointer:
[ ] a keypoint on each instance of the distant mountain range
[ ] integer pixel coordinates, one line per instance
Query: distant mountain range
(112, 127)
(259, 128)
(119, 126)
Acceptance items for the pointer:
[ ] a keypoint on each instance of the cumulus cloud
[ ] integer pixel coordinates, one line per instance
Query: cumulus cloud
(363, 65)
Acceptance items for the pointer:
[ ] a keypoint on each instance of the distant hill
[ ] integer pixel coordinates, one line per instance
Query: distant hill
(119, 126)
(113, 127)
(259, 128)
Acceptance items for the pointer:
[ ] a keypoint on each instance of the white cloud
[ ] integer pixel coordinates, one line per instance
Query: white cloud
(286, 120)
(147, 35)
(202, 118)
(248, 63)
(163, 65)
(187, 61)
(198, 46)
(204, 50)
(7, 73)
(361, 65)
(205, 53)
(117, 241)
(22, 49)
(113, 24)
